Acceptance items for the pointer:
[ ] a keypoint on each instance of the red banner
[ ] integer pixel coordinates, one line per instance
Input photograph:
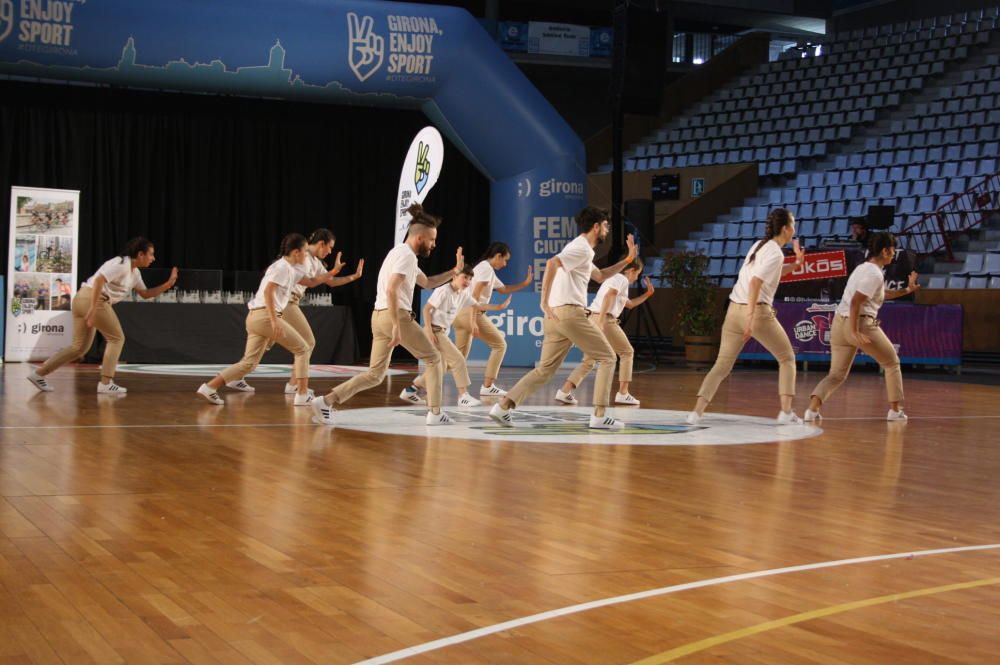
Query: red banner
(818, 265)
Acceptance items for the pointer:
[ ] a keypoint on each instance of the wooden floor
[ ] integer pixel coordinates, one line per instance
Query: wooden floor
(155, 528)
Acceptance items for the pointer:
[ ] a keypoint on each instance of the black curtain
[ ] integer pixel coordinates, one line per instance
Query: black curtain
(215, 182)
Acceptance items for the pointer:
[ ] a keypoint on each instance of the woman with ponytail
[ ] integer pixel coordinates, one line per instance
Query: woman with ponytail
(472, 321)
(855, 326)
(750, 314)
(93, 311)
(265, 325)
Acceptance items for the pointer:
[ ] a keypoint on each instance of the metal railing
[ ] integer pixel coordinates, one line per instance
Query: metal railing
(933, 232)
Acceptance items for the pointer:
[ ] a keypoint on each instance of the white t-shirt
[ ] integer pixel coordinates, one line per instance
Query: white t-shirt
(286, 276)
(483, 272)
(399, 261)
(618, 283)
(311, 269)
(868, 279)
(447, 303)
(569, 287)
(767, 266)
(120, 278)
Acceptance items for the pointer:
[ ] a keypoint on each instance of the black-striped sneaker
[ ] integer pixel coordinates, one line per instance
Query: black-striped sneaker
(39, 382)
(324, 412)
(492, 391)
(605, 422)
(110, 388)
(501, 415)
(242, 386)
(209, 394)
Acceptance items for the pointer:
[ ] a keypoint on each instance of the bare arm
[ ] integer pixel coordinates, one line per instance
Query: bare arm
(340, 281)
(854, 319)
(511, 288)
(157, 290)
(638, 300)
(491, 308)
(439, 279)
(477, 290)
(272, 315)
(755, 284)
(551, 266)
(800, 258)
(612, 270)
(606, 304)
(429, 323)
(899, 293)
(98, 289)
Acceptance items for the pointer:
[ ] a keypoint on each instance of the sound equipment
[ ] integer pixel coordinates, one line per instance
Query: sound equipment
(642, 31)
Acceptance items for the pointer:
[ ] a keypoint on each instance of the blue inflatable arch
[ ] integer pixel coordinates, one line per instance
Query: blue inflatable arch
(436, 58)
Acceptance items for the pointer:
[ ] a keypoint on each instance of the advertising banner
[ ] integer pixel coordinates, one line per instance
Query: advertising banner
(922, 334)
(41, 271)
(558, 39)
(817, 265)
(421, 170)
(522, 324)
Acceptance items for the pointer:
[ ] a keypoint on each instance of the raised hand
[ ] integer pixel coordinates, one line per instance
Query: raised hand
(360, 269)
(459, 261)
(630, 244)
(649, 286)
(338, 265)
(913, 286)
(173, 277)
(800, 254)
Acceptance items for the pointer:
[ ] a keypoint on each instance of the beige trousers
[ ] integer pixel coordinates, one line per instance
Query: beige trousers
(487, 332)
(293, 316)
(454, 361)
(571, 326)
(767, 331)
(619, 343)
(843, 348)
(413, 340)
(259, 336)
(105, 320)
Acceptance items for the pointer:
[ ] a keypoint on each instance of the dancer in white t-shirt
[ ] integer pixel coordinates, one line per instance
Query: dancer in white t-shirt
(446, 305)
(750, 314)
(611, 299)
(392, 320)
(856, 326)
(474, 323)
(265, 325)
(92, 311)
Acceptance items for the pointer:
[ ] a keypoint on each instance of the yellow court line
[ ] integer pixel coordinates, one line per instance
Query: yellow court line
(694, 647)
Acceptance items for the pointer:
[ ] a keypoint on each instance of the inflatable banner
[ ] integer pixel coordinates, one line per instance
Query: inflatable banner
(435, 58)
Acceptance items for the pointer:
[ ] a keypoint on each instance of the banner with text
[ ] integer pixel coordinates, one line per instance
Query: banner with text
(421, 170)
(922, 334)
(41, 270)
(817, 265)
(558, 39)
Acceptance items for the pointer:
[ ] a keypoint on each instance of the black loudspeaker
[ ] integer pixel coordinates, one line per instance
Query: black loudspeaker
(642, 32)
(880, 217)
(639, 213)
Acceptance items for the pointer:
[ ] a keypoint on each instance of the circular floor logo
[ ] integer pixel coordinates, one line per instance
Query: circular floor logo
(537, 424)
(262, 371)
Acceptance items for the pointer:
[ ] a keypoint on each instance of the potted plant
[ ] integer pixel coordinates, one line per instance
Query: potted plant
(697, 317)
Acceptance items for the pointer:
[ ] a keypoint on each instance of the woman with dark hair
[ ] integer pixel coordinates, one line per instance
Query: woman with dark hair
(750, 314)
(855, 326)
(92, 311)
(265, 324)
(473, 322)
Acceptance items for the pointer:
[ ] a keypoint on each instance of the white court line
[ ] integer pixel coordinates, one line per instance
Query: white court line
(583, 607)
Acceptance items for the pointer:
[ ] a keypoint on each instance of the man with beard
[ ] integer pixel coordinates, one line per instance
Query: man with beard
(392, 320)
(564, 301)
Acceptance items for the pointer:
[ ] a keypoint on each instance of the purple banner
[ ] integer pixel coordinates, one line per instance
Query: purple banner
(922, 334)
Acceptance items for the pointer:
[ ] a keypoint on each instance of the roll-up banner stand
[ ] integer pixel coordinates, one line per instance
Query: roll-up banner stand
(41, 271)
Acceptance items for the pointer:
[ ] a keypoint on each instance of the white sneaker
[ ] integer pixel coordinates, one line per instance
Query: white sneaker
(468, 400)
(324, 412)
(896, 416)
(492, 391)
(627, 398)
(209, 394)
(788, 418)
(438, 419)
(566, 398)
(693, 418)
(110, 388)
(304, 399)
(501, 415)
(39, 382)
(412, 396)
(811, 416)
(290, 389)
(242, 386)
(605, 422)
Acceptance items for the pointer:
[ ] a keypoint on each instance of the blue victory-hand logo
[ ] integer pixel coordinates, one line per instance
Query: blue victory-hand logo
(422, 172)
(365, 49)
(6, 18)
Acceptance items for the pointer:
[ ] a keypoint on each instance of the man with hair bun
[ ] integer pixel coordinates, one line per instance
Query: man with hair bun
(392, 320)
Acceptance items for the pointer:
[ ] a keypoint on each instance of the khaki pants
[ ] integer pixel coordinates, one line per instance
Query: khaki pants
(487, 332)
(293, 316)
(571, 326)
(619, 343)
(454, 361)
(105, 320)
(259, 337)
(413, 340)
(768, 332)
(843, 348)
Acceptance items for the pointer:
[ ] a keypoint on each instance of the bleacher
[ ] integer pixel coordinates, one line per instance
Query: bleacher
(899, 115)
